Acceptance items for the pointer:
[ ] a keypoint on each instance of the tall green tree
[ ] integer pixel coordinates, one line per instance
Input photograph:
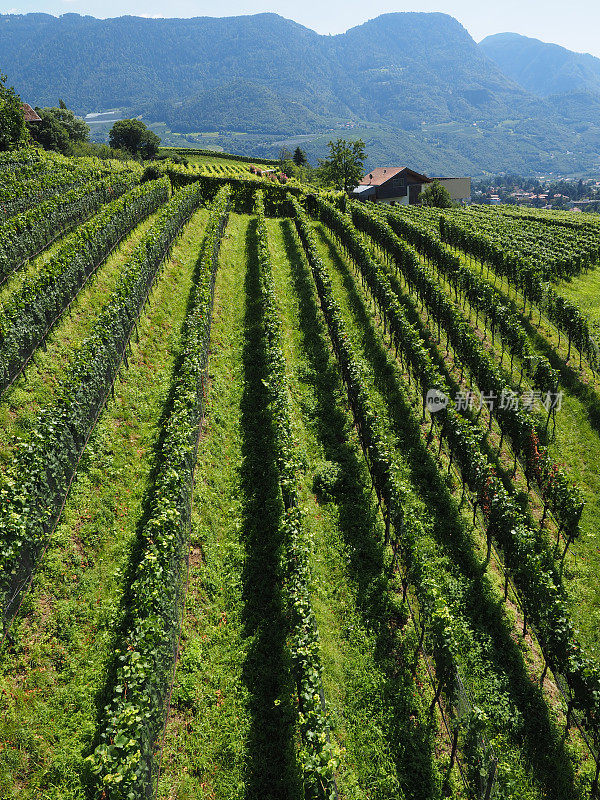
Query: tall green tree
(284, 156)
(345, 166)
(300, 157)
(59, 129)
(132, 135)
(436, 195)
(13, 131)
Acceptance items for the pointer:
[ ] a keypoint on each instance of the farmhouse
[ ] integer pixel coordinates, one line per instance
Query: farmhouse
(402, 186)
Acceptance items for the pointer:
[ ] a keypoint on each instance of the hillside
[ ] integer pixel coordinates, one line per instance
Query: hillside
(542, 68)
(257, 557)
(415, 86)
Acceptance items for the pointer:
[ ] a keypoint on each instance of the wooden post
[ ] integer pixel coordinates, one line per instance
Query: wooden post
(594, 789)
(569, 712)
(454, 747)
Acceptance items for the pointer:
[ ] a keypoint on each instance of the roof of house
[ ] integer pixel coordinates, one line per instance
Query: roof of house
(380, 175)
(29, 114)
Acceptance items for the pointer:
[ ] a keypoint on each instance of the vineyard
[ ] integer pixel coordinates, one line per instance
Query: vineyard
(298, 494)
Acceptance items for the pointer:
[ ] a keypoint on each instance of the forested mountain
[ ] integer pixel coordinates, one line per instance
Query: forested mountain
(541, 68)
(415, 86)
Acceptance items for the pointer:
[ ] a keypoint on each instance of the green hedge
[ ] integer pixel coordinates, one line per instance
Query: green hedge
(242, 191)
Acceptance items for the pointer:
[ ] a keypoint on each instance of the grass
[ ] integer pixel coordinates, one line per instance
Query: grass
(208, 729)
(54, 668)
(584, 291)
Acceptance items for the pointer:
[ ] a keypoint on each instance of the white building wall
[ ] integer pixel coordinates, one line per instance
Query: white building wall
(399, 201)
(459, 188)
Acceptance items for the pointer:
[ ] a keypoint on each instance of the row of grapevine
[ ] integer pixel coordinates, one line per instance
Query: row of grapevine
(20, 192)
(25, 235)
(527, 279)
(29, 162)
(527, 559)
(31, 311)
(482, 297)
(243, 189)
(517, 423)
(562, 218)
(552, 251)
(34, 488)
(440, 627)
(132, 719)
(317, 759)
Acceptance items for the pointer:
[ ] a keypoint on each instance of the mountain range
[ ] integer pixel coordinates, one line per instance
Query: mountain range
(541, 68)
(415, 86)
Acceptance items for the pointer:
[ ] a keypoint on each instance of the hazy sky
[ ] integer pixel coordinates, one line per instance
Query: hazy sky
(574, 24)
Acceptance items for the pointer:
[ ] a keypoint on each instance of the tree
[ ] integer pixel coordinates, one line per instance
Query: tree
(59, 129)
(49, 133)
(344, 167)
(76, 128)
(300, 159)
(13, 131)
(436, 195)
(285, 157)
(132, 135)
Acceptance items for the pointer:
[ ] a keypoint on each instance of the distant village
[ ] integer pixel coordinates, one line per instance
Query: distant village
(556, 193)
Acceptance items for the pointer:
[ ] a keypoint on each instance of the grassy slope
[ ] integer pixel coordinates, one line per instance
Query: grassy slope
(20, 404)
(533, 762)
(233, 725)
(55, 666)
(207, 734)
(584, 290)
(378, 718)
(200, 160)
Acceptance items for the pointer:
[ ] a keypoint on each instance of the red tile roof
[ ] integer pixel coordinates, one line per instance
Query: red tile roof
(29, 114)
(380, 175)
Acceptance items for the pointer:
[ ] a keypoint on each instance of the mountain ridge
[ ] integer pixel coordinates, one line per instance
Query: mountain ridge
(542, 67)
(414, 84)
